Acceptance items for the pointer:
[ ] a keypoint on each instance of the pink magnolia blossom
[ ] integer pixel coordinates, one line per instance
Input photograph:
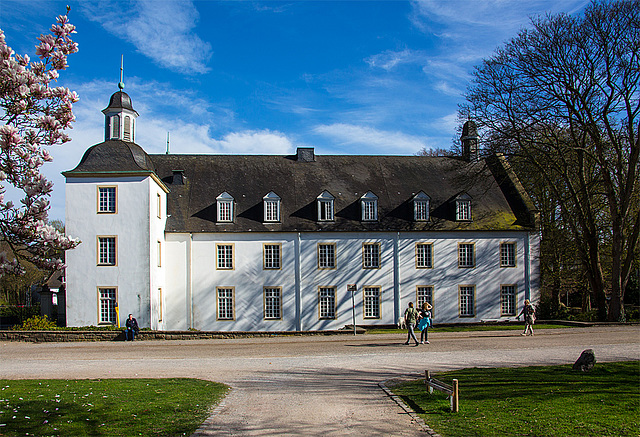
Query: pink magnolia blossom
(33, 115)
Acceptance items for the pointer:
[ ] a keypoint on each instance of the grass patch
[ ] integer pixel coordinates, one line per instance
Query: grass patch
(468, 328)
(106, 407)
(552, 401)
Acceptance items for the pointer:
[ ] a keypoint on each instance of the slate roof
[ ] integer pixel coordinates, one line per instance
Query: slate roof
(113, 156)
(498, 201)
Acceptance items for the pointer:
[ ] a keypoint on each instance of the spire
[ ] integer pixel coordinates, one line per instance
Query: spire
(120, 117)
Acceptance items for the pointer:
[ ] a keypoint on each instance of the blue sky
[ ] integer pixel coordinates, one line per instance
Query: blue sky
(345, 77)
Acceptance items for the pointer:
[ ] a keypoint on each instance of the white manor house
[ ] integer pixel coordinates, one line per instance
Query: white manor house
(271, 243)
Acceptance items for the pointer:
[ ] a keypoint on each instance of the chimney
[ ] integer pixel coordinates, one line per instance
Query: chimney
(178, 177)
(305, 154)
(469, 141)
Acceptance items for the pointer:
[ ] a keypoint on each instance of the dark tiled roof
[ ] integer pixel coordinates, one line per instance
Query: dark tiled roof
(498, 202)
(119, 100)
(113, 156)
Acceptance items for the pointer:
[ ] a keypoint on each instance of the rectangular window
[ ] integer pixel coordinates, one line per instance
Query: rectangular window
(424, 255)
(107, 251)
(325, 210)
(107, 200)
(421, 210)
(371, 302)
(160, 305)
(108, 299)
(225, 211)
(508, 300)
(159, 254)
(466, 255)
(371, 255)
(159, 204)
(467, 300)
(225, 256)
(463, 210)
(225, 303)
(424, 293)
(272, 256)
(272, 303)
(327, 302)
(271, 210)
(369, 210)
(507, 254)
(326, 256)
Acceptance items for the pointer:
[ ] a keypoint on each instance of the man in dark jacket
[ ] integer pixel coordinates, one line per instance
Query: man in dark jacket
(132, 328)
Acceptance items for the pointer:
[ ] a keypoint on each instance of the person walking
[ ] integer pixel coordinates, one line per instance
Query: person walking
(425, 322)
(529, 313)
(410, 319)
(132, 328)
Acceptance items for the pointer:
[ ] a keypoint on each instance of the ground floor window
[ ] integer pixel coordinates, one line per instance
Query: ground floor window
(272, 303)
(467, 300)
(424, 293)
(225, 301)
(327, 302)
(108, 300)
(508, 300)
(371, 302)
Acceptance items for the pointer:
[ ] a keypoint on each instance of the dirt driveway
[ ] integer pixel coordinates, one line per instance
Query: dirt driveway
(303, 386)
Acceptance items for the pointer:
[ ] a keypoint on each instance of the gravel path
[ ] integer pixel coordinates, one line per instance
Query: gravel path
(303, 386)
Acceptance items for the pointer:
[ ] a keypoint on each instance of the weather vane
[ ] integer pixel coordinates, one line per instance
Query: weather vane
(121, 83)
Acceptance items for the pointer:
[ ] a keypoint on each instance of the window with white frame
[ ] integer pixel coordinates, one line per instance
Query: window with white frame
(108, 299)
(371, 255)
(327, 302)
(467, 300)
(224, 253)
(159, 204)
(159, 254)
(272, 303)
(325, 206)
(371, 302)
(421, 203)
(369, 203)
(507, 254)
(127, 128)
(463, 207)
(466, 255)
(326, 256)
(424, 255)
(160, 305)
(508, 300)
(271, 207)
(115, 126)
(107, 251)
(225, 208)
(424, 293)
(225, 303)
(107, 200)
(272, 256)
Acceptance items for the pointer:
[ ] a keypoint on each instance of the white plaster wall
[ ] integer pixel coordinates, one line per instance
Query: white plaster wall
(157, 222)
(130, 224)
(176, 296)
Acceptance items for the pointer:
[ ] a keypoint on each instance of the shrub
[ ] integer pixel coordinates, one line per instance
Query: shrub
(36, 323)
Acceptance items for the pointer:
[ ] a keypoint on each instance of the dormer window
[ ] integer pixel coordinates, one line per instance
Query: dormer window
(271, 207)
(325, 206)
(463, 207)
(421, 207)
(225, 208)
(369, 204)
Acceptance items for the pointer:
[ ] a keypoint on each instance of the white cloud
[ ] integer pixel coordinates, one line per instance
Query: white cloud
(390, 59)
(161, 30)
(371, 140)
(256, 142)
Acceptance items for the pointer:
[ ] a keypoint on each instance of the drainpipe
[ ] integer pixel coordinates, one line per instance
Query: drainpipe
(190, 281)
(527, 267)
(298, 281)
(396, 278)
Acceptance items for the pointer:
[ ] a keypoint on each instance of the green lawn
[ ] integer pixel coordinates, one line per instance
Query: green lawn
(106, 407)
(552, 401)
(469, 328)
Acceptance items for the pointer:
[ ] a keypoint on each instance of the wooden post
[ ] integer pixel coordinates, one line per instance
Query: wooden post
(454, 397)
(427, 377)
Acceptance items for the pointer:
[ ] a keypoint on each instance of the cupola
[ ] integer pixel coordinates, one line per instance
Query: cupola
(120, 117)
(469, 141)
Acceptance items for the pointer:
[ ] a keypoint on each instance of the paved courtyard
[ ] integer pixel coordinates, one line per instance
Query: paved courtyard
(304, 386)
